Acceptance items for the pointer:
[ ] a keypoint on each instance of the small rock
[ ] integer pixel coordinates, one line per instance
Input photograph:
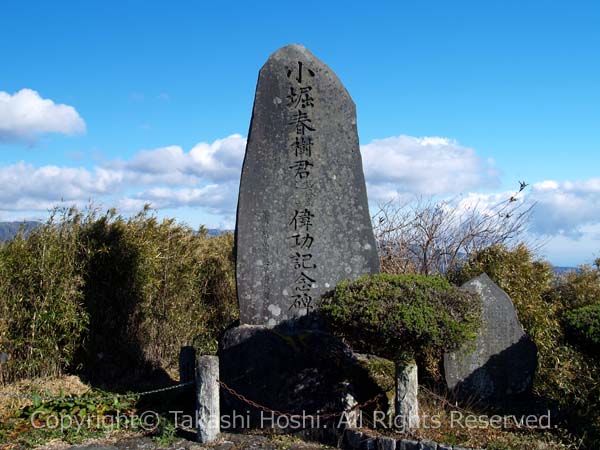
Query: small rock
(196, 447)
(429, 445)
(224, 446)
(406, 444)
(445, 447)
(385, 443)
(368, 444)
(354, 438)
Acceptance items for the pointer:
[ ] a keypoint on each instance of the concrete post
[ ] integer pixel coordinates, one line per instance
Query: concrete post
(207, 398)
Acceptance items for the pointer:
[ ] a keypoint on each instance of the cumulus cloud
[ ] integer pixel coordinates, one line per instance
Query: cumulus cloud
(218, 161)
(217, 199)
(168, 177)
(570, 209)
(25, 115)
(26, 187)
(566, 208)
(221, 160)
(401, 165)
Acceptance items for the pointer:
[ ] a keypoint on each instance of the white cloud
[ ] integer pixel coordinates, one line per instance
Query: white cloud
(215, 198)
(221, 160)
(168, 177)
(566, 208)
(218, 161)
(423, 166)
(25, 115)
(489, 203)
(26, 187)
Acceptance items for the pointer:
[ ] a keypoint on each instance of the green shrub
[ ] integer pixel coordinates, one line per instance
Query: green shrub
(151, 287)
(580, 288)
(42, 319)
(583, 324)
(111, 294)
(402, 316)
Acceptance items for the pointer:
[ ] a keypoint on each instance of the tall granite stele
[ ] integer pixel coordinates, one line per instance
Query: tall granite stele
(303, 222)
(303, 225)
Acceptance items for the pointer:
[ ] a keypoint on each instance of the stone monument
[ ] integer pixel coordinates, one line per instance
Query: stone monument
(502, 361)
(303, 222)
(303, 225)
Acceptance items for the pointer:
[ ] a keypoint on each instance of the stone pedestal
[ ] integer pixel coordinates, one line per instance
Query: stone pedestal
(292, 370)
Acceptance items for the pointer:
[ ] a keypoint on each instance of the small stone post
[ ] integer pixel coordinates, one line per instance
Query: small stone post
(407, 403)
(350, 414)
(207, 398)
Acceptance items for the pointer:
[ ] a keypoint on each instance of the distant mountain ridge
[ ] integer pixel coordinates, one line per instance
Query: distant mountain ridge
(9, 230)
(559, 270)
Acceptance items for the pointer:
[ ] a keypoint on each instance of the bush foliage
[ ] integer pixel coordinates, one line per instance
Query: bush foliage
(42, 319)
(583, 324)
(103, 291)
(402, 316)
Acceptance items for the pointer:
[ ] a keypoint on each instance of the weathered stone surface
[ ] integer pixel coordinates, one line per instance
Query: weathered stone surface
(502, 360)
(429, 445)
(407, 444)
(386, 443)
(368, 444)
(292, 370)
(349, 419)
(303, 222)
(407, 402)
(207, 396)
(353, 438)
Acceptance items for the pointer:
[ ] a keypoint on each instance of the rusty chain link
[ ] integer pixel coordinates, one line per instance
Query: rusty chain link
(260, 407)
(230, 390)
(94, 399)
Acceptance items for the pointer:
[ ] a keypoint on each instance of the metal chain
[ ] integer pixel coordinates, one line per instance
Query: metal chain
(178, 386)
(97, 399)
(289, 415)
(444, 400)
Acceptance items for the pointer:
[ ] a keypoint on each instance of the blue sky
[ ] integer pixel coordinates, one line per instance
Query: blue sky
(157, 98)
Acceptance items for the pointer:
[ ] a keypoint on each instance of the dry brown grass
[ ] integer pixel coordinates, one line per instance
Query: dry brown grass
(47, 387)
(434, 408)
